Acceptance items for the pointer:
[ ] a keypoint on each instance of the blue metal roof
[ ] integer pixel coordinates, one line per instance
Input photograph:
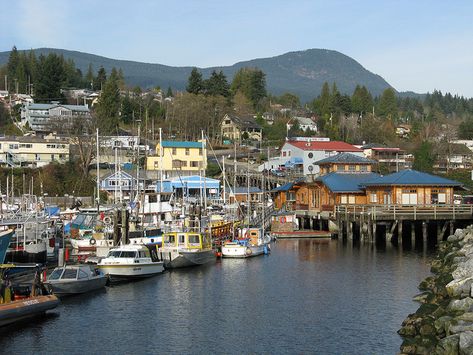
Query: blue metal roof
(342, 182)
(195, 182)
(285, 187)
(344, 158)
(412, 178)
(181, 144)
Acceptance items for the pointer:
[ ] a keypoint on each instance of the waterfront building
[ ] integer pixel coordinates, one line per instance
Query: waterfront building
(178, 158)
(303, 152)
(191, 188)
(411, 187)
(52, 117)
(237, 128)
(31, 151)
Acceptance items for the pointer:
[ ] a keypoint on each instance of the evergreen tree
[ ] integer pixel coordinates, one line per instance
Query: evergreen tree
(423, 158)
(50, 77)
(251, 82)
(217, 85)
(195, 84)
(322, 103)
(100, 80)
(108, 106)
(388, 104)
(89, 77)
(169, 92)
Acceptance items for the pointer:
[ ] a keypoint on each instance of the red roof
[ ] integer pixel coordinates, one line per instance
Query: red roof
(330, 146)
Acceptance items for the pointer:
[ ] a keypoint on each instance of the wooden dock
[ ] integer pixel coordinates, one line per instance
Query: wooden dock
(401, 223)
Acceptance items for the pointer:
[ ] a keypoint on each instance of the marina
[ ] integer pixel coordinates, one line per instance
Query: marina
(300, 299)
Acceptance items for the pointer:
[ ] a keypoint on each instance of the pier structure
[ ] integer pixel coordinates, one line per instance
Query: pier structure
(414, 225)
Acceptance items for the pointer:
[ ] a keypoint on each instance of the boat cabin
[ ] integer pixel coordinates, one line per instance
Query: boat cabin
(73, 273)
(186, 240)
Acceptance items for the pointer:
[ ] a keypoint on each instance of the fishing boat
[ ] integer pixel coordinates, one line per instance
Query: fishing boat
(129, 262)
(75, 279)
(5, 238)
(18, 302)
(183, 249)
(251, 242)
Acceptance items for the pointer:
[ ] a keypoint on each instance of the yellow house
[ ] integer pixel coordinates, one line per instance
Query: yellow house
(178, 158)
(32, 151)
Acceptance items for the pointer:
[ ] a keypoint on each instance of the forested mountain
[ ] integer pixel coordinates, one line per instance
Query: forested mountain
(302, 73)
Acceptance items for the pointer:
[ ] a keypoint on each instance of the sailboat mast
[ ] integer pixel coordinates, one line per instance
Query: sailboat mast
(204, 160)
(98, 175)
(224, 181)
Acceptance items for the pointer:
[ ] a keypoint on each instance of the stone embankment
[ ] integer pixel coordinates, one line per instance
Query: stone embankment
(443, 324)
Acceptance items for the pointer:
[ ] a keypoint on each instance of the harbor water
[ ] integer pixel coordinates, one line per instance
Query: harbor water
(308, 296)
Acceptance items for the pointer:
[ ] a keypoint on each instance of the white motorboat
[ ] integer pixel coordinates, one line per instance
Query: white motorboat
(129, 262)
(252, 242)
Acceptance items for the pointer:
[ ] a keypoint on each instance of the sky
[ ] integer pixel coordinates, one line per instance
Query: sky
(415, 45)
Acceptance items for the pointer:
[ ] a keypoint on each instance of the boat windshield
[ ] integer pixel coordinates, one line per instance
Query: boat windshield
(69, 274)
(56, 274)
(169, 238)
(194, 239)
(114, 254)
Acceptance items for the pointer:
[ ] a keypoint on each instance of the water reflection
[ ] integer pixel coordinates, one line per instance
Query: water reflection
(308, 296)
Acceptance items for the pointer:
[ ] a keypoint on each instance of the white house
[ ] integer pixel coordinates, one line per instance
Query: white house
(307, 150)
(305, 123)
(51, 117)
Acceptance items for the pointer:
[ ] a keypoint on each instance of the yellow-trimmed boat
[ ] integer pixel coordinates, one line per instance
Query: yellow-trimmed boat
(183, 249)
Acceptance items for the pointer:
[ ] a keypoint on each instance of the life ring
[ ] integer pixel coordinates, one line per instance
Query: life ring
(282, 220)
(107, 220)
(92, 241)
(248, 251)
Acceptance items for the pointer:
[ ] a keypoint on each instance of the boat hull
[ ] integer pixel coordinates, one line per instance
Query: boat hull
(17, 310)
(240, 251)
(180, 259)
(131, 271)
(22, 256)
(73, 287)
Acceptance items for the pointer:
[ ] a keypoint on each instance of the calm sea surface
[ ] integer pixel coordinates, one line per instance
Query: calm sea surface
(308, 296)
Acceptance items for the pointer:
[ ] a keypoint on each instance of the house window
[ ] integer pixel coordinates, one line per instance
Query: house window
(200, 151)
(188, 151)
(194, 164)
(174, 151)
(156, 165)
(283, 154)
(351, 199)
(311, 155)
(37, 157)
(52, 156)
(373, 197)
(344, 199)
(351, 168)
(363, 168)
(13, 146)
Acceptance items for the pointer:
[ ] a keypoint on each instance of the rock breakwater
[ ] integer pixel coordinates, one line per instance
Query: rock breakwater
(443, 324)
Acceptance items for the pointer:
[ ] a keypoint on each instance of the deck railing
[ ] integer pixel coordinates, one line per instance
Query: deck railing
(408, 211)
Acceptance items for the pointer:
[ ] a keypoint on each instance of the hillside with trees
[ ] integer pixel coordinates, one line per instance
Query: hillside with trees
(302, 73)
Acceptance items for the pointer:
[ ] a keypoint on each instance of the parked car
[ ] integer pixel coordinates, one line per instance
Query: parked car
(278, 173)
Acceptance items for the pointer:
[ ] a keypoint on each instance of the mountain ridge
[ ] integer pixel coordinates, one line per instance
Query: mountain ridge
(299, 72)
